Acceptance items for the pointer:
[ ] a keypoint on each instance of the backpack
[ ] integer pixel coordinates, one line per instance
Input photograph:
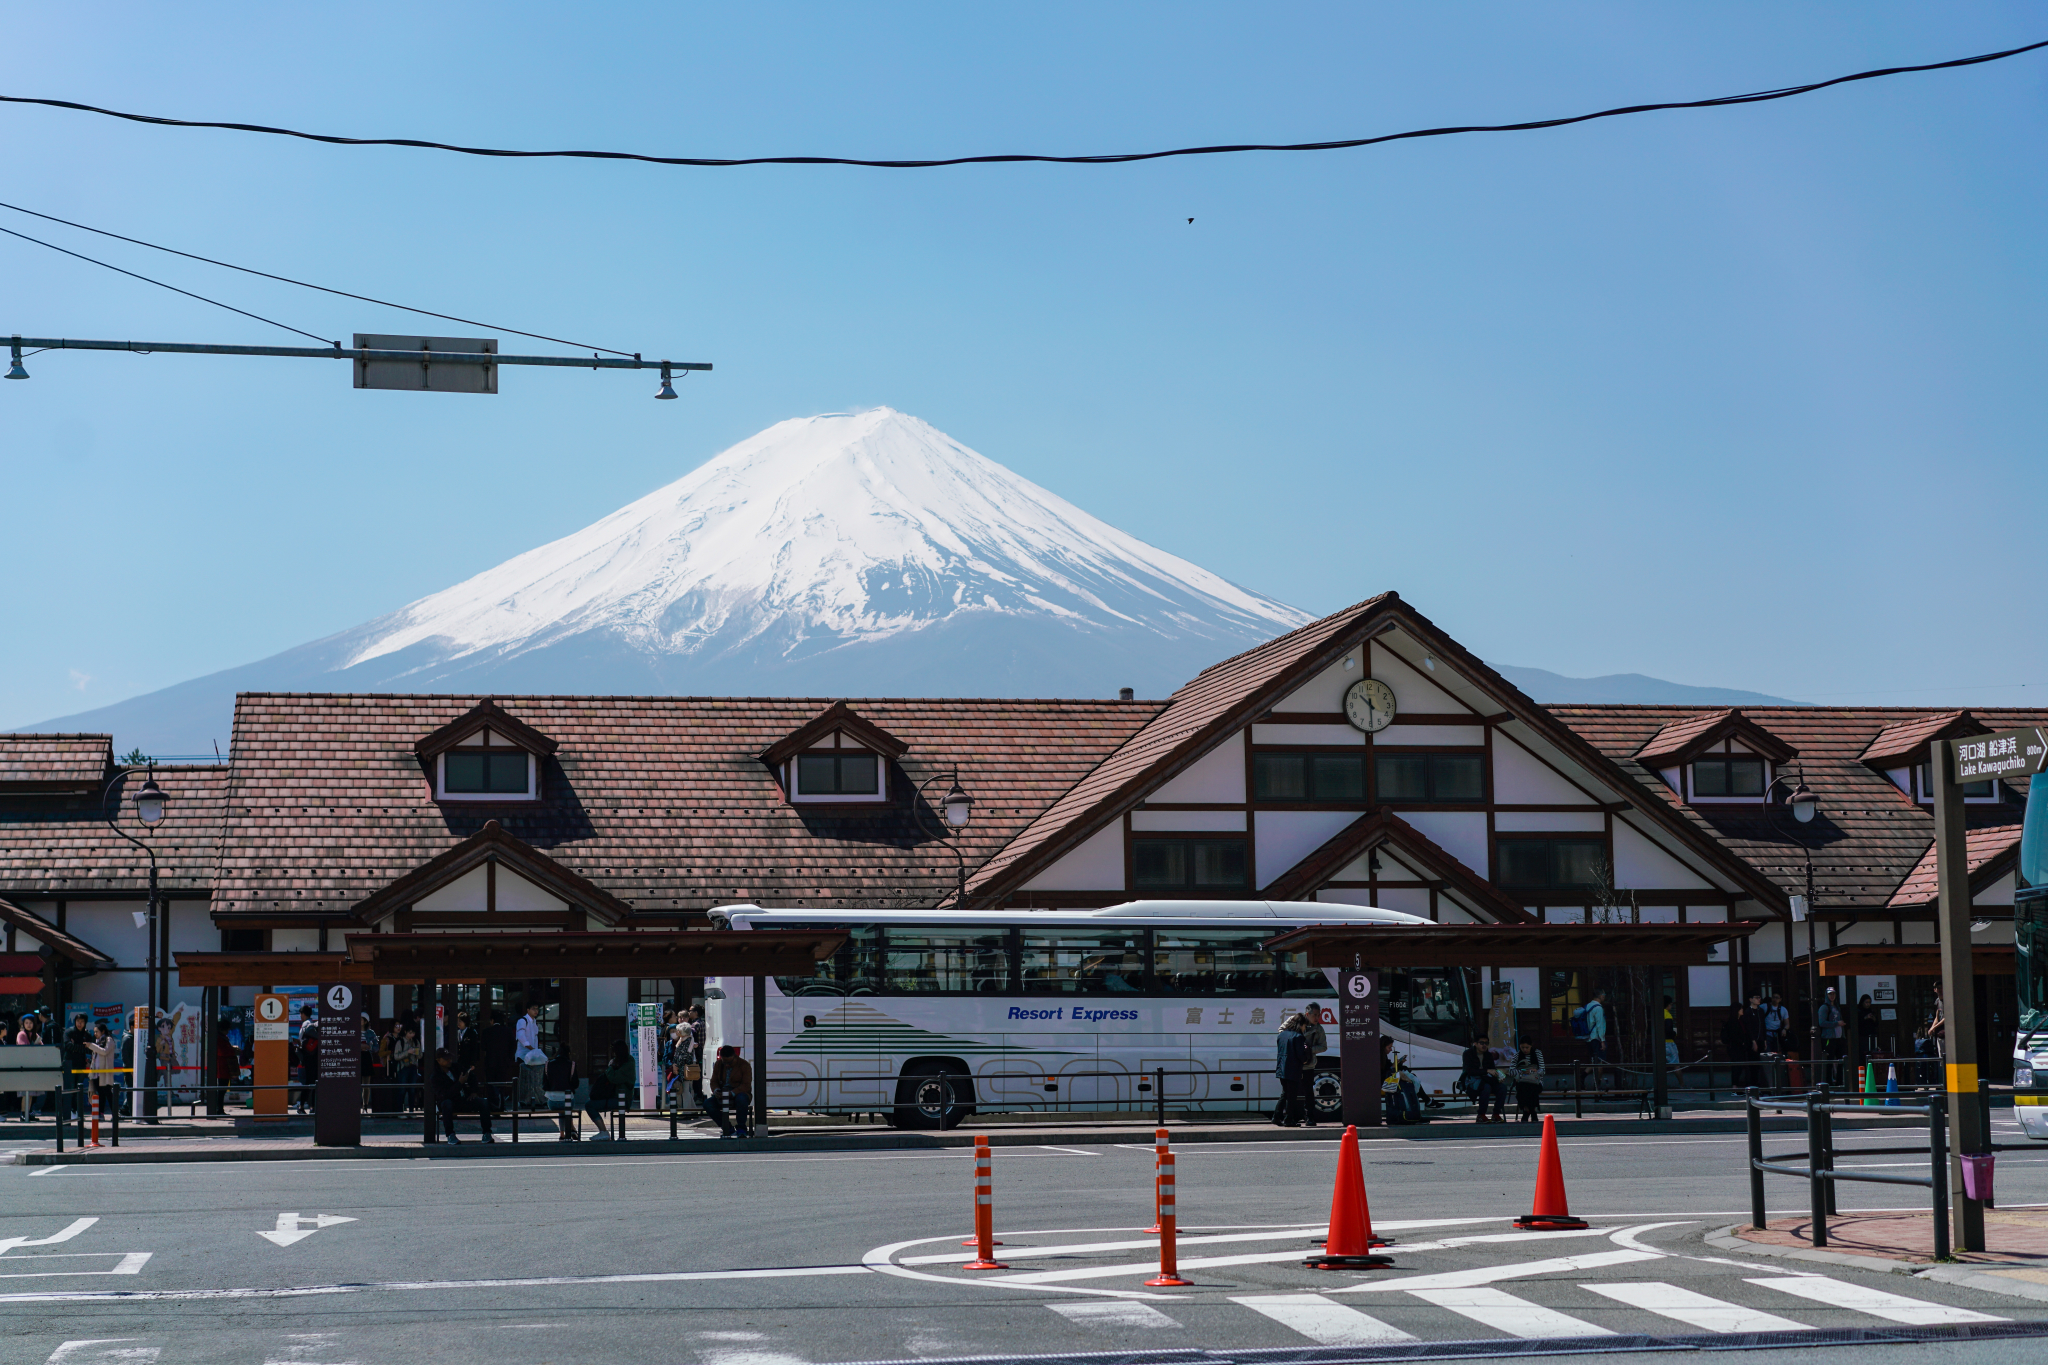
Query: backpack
(1581, 1026)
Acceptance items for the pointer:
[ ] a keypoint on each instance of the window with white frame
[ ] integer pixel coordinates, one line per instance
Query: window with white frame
(838, 770)
(1729, 771)
(486, 766)
(1982, 793)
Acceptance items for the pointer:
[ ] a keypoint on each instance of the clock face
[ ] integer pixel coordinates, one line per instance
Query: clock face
(1369, 705)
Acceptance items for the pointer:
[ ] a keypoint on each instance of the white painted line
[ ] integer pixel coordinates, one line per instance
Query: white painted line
(131, 1263)
(1876, 1302)
(72, 1351)
(1504, 1312)
(1323, 1321)
(432, 1286)
(1694, 1310)
(1141, 1268)
(1301, 1234)
(1066, 1151)
(47, 1170)
(1487, 1274)
(1449, 1243)
(1113, 1313)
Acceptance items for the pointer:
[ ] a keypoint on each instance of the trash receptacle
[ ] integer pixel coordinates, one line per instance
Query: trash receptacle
(1977, 1177)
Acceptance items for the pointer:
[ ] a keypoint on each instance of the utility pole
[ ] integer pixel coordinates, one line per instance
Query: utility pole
(1966, 1118)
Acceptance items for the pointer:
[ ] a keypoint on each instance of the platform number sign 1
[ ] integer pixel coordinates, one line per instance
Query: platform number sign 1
(1358, 1044)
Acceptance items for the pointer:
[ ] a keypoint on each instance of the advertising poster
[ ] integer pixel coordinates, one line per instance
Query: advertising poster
(181, 1038)
(643, 1028)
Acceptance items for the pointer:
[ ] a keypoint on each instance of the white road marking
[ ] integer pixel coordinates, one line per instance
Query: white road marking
(49, 1170)
(1504, 1312)
(1113, 1313)
(1106, 1272)
(1135, 1244)
(1876, 1302)
(1487, 1274)
(77, 1226)
(290, 1227)
(1322, 1321)
(1066, 1151)
(74, 1352)
(131, 1263)
(1695, 1310)
(433, 1286)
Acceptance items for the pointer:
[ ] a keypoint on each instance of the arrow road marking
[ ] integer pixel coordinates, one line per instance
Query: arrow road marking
(289, 1227)
(8, 1244)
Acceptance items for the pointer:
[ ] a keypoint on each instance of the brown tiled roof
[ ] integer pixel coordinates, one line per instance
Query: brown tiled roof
(661, 801)
(61, 846)
(1868, 835)
(1221, 698)
(1897, 746)
(837, 716)
(1676, 741)
(80, 761)
(1991, 852)
(1383, 827)
(486, 713)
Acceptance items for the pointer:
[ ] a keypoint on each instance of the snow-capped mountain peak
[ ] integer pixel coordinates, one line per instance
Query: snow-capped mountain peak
(817, 534)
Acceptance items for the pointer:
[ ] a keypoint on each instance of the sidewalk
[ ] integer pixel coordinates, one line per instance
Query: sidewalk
(2016, 1238)
(238, 1139)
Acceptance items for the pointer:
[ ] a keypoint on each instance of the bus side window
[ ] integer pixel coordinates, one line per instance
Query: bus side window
(945, 963)
(1083, 962)
(1205, 962)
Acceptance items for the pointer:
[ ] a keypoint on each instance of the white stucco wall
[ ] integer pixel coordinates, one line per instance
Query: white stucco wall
(1285, 837)
(1216, 776)
(1395, 736)
(1325, 691)
(1097, 865)
(1638, 862)
(1187, 821)
(1519, 779)
(1536, 821)
(1461, 833)
(1413, 691)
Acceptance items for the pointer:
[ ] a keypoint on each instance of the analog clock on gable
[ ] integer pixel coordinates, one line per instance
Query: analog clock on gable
(1369, 705)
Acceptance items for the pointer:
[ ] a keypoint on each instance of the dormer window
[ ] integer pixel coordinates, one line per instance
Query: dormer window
(1717, 776)
(838, 757)
(484, 754)
(841, 773)
(1983, 793)
(487, 767)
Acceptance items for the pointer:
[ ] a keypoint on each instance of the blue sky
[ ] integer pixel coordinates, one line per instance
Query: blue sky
(1737, 397)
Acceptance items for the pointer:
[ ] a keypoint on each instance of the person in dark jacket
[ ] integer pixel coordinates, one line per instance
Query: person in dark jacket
(77, 1059)
(1290, 1068)
(732, 1088)
(608, 1088)
(498, 1050)
(309, 1061)
(560, 1078)
(1476, 1078)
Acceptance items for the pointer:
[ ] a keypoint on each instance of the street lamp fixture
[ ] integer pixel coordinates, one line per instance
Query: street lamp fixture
(150, 805)
(150, 802)
(668, 388)
(958, 806)
(15, 371)
(1804, 805)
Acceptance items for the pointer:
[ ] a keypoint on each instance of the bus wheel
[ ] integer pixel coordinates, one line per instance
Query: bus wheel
(933, 1094)
(1325, 1096)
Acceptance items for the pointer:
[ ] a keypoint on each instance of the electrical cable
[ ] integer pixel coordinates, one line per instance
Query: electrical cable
(286, 279)
(172, 287)
(1755, 97)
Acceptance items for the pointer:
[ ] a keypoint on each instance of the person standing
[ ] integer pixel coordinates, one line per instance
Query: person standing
(1527, 1073)
(1670, 1032)
(227, 1068)
(498, 1055)
(309, 1061)
(533, 1062)
(1290, 1067)
(1866, 1030)
(1596, 1036)
(405, 1067)
(29, 1035)
(1829, 1018)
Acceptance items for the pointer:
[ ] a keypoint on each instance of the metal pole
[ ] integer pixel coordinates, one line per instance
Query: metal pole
(1937, 1160)
(760, 1056)
(1827, 1149)
(149, 1034)
(1958, 988)
(430, 1038)
(1813, 1047)
(1159, 1093)
(1816, 1202)
(1660, 1091)
(571, 362)
(1758, 1214)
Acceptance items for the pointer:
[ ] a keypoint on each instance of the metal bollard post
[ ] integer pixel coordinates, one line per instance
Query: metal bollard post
(1578, 1090)
(1159, 1094)
(1937, 1156)
(1827, 1151)
(1816, 1201)
(1758, 1215)
(57, 1114)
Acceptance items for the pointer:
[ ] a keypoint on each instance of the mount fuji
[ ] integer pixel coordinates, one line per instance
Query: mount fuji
(849, 554)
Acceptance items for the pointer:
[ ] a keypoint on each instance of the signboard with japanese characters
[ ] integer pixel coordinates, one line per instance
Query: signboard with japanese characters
(2008, 753)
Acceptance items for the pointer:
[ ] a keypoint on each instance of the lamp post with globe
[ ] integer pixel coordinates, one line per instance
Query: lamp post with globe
(1800, 800)
(956, 808)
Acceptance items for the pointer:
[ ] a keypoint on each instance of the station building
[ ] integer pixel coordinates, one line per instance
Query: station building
(1438, 788)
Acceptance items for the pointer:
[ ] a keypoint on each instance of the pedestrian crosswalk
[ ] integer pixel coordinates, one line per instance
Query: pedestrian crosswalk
(1324, 1321)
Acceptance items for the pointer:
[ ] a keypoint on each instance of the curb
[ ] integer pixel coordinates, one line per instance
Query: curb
(473, 1150)
(1969, 1276)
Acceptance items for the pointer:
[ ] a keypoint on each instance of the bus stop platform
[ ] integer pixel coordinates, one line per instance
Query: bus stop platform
(230, 1139)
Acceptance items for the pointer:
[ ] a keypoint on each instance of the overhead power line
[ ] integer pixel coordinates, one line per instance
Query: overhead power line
(283, 279)
(1755, 97)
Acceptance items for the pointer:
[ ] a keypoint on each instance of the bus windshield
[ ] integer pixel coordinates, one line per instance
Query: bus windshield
(2030, 911)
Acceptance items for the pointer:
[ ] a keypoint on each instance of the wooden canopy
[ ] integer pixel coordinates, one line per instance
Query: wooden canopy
(407, 959)
(1910, 959)
(1383, 946)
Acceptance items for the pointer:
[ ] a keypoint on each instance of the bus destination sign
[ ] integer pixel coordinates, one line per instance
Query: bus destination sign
(2009, 753)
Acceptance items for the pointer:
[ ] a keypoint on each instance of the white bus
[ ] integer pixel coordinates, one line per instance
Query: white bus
(925, 1016)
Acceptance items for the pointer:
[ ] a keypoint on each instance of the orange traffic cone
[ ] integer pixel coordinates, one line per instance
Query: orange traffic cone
(1350, 1243)
(1549, 1211)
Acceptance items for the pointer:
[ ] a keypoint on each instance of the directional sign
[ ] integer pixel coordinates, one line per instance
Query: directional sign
(2008, 753)
(296, 1227)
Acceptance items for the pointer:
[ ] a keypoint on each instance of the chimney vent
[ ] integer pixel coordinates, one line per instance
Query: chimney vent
(1126, 694)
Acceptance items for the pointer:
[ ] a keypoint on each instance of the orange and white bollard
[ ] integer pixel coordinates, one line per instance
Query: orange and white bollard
(1159, 1154)
(95, 1116)
(984, 1211)
(981, 1153)
(1169, 1252)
